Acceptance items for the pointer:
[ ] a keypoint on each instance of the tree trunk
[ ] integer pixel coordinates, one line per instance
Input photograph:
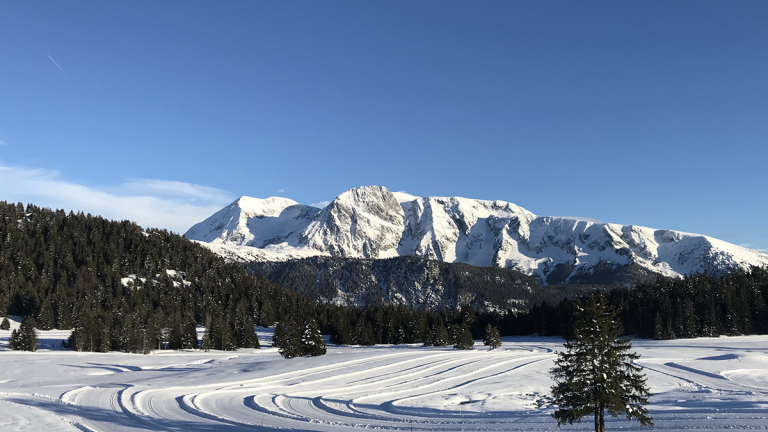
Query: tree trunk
(597, 418)
(602, 419)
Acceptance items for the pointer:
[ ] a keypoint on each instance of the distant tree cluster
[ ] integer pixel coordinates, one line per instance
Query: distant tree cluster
(699, 305)
(294, 339)
(694, 306)
(398, 324)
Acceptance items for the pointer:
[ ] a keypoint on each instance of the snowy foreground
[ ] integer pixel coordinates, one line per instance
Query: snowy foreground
(717, 383)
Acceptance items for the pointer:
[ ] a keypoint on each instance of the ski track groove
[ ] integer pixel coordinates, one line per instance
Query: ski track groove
(397, 390)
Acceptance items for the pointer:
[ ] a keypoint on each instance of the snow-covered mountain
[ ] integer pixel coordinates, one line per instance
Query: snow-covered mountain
(373, 222)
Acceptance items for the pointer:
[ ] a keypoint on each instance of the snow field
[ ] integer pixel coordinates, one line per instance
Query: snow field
(711, 383)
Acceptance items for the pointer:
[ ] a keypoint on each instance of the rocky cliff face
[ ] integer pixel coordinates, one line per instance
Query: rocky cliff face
(366, 222)
(410, 281)
(373, 223)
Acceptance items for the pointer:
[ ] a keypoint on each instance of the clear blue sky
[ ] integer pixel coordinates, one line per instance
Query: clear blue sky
(648, 113)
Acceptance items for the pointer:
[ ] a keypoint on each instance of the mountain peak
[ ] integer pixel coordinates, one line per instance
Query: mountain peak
(254, 207)
(373, 222)
(363, 222)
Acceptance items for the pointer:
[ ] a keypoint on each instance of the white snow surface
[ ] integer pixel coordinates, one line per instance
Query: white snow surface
(709, 383)
(372, 222)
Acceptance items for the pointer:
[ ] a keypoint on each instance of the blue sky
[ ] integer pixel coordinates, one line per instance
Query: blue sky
(647, 113)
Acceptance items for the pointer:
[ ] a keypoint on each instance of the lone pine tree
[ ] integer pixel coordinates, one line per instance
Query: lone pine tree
(492, 337)
(596, 373)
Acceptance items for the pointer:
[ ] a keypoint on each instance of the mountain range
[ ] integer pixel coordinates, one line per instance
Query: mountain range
(371, 222)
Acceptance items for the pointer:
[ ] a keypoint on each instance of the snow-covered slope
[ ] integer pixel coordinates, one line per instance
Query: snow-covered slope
(372, 222)
(710, 384)
(257, 229)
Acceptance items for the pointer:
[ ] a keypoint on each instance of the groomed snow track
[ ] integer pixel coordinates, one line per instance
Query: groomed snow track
(710, 384)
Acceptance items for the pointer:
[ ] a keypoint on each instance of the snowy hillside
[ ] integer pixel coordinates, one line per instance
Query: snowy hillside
(372, 222)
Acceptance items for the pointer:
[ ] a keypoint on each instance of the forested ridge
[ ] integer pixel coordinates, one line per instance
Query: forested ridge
(119, 287)
(66, 271)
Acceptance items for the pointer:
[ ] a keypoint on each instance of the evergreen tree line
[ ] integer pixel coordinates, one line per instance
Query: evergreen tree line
(698, 305)
(399, 324)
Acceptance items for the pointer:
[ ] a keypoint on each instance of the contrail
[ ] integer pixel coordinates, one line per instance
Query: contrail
(57, 65)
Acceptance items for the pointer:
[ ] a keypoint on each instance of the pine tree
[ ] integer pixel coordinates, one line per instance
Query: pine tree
(340, 333)
(312, 342)
(222, 335)
(25, 338)
(189, 333)
(175, 331)
(658, 327)
(279, 336)
(492, 337)
(13, 340)
(595, 373)
(689, 319)
(45, 317)
(290, 343)
(244, 327)
(363, 333)
(5, 325)
(435, 333)
(462, 337)
(206, 344)
(28, 334)
(441, 337)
